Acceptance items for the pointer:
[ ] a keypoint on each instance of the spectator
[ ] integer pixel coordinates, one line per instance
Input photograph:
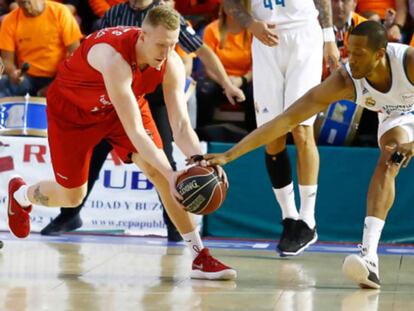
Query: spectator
(231, 43)
(344, 19)
(40, 33)
(100, 7)
(199, 12)
(384, 9)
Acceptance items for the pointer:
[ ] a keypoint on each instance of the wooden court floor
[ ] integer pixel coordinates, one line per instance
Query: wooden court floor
(121, 273)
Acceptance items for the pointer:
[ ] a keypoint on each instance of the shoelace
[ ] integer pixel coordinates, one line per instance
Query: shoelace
(364, 252)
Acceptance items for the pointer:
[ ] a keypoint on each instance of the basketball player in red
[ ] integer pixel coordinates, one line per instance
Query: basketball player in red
(99, 94)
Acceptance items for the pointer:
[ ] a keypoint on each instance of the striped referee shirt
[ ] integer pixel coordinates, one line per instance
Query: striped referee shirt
(123, 15)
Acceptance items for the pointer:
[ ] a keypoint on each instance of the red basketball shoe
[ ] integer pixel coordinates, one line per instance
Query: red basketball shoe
(207, 267)
(18, 216)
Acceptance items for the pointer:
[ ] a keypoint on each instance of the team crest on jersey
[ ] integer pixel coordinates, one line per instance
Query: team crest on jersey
(370, 102)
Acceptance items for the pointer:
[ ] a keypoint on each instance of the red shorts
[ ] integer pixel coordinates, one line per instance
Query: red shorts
(73, 133)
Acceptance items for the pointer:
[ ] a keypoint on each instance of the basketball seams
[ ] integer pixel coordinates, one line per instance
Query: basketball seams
(209, 200)
(206, 198)
(201, 188)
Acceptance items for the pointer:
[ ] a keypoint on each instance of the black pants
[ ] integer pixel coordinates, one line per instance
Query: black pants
(101, 151)
(210, 94)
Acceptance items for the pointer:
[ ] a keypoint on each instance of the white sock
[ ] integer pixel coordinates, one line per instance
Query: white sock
(194, 243)
(371, 236)
(21, 196)
(286, 198)
(307, 204)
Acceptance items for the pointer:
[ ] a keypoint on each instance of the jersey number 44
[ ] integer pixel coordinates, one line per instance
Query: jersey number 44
(268, 4)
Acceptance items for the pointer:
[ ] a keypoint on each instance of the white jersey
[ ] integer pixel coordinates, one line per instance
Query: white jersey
(286, 14)
(399, 100)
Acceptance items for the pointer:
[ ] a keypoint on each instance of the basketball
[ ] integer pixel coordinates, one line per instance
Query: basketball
(203, 191)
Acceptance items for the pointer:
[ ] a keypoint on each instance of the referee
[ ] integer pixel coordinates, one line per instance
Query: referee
(132, 13)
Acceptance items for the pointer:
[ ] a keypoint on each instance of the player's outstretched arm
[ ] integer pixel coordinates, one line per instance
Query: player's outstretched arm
(117, 76)
(338, 86)
(173, 89)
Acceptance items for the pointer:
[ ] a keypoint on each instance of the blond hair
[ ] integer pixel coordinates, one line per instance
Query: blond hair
(163, 16)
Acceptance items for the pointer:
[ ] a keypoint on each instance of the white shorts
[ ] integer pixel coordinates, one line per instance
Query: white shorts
(387, 123)
(284, 73)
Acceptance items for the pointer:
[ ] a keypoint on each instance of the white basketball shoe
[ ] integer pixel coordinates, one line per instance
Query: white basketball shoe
(362, 270)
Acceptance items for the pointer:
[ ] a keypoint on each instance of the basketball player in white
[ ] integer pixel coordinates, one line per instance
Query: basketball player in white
(288, 51)
(379, 77)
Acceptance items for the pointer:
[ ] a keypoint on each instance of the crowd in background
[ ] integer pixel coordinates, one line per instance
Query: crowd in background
(36, 35)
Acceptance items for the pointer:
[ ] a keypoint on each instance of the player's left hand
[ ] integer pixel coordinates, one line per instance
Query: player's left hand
(406, 150)
(234, 94)
(331, 55)
(196, 159)
(216, 159)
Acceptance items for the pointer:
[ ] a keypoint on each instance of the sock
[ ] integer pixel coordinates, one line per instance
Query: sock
(21, 196)
(371, 236)
(307, 204)
(286, 198)
(194, 243)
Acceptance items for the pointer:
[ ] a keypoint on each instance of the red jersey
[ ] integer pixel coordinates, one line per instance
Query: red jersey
(79, 83)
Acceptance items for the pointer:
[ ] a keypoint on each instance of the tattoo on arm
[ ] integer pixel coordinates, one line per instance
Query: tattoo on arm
(40, 198)
(325, 12)
(235, 9)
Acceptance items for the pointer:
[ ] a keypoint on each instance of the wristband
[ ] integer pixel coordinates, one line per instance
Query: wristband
(197, 158)
(397, 157)
(328, 34)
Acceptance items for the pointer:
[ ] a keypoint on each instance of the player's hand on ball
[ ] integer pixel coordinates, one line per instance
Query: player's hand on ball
(402, 151)
(214, 159)
(172, 181)
(222, 174)
(197, 159)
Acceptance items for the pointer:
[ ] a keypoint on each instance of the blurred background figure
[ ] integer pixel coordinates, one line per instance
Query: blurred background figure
(42, 34)
(232, 44)
(392, 13)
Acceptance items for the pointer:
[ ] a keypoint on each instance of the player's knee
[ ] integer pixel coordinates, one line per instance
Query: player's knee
(303, 136)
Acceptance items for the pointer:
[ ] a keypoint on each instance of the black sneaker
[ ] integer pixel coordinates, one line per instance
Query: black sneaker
(287, 235)
(61, 224)
(303, 237)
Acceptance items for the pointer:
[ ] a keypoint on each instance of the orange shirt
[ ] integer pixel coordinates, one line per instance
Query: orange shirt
(376, 6)
(412, 41)
(99, 7)
(235, 54)
(40, 41)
